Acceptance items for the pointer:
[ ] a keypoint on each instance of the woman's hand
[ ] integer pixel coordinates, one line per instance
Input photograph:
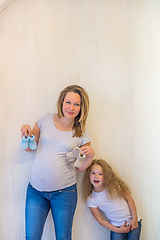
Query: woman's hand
(25, 130)
(88, 151)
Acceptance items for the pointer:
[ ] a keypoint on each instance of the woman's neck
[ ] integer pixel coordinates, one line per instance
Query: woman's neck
(63, 123)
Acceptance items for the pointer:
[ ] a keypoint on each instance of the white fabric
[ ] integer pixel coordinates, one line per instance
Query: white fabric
(50, 169)
(117, 210)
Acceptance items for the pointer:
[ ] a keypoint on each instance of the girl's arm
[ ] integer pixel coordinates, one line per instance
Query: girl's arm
(26, 129)
(134, 223)
(104, 223)
(89, 152)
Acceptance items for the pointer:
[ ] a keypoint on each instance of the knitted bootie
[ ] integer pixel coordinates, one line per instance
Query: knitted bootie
(71, 156)
(24, 142)
(31, 143)
(75, 155)
(78, 163)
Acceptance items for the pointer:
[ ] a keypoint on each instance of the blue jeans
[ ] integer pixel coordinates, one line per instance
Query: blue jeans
(132, 235)
(62, 204)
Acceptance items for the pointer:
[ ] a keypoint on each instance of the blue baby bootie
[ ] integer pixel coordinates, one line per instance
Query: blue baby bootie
(31, 143)
(24, 142)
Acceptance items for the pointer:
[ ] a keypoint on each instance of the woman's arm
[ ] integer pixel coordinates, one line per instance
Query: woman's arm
(131, 204)
(26, 129)
(95, 212)
(89, 152)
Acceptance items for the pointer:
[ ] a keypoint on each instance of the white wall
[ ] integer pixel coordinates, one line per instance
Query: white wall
(112, 49)
(4, 4)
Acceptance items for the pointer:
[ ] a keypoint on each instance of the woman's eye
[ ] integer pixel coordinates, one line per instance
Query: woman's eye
(68, 102)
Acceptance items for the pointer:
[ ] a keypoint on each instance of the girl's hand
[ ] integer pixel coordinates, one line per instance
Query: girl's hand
(124, 229)
(133, 224)
(25, 130)
(88, 151)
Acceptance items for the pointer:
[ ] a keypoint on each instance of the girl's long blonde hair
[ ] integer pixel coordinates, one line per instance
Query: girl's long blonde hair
(80, 120)
(112, 182)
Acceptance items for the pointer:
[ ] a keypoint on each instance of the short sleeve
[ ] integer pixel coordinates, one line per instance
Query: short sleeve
(90, 202)
(41, 120)
(86, 137)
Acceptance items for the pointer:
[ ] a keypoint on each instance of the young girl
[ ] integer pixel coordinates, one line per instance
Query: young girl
(104, 190)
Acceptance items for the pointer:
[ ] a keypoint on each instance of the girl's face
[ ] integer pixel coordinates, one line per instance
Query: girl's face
(71, 105)
(96, 178)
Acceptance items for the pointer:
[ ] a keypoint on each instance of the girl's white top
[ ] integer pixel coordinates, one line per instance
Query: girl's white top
(116, 210)
(51, 170)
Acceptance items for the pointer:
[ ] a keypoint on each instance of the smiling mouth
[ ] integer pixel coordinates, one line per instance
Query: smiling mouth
(70, 113)
(96, 181)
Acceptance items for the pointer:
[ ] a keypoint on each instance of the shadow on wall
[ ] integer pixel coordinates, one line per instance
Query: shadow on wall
(4, 4)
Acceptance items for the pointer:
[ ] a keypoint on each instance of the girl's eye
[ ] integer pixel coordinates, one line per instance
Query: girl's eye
(93, 173)
(100, 174)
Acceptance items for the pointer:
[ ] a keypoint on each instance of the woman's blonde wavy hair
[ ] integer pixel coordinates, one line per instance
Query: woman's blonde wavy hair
(80, 120)
(112, 182)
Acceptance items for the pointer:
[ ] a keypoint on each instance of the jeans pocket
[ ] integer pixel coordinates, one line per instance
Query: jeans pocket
(70, 189)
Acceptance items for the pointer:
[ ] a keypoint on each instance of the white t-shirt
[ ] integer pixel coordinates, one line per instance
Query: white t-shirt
(50, 169)
(116, 210)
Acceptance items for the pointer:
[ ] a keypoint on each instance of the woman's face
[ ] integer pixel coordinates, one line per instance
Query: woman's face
(71, 105)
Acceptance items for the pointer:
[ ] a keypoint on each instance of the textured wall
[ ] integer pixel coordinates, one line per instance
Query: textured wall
(112, 49)
(4, 4)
